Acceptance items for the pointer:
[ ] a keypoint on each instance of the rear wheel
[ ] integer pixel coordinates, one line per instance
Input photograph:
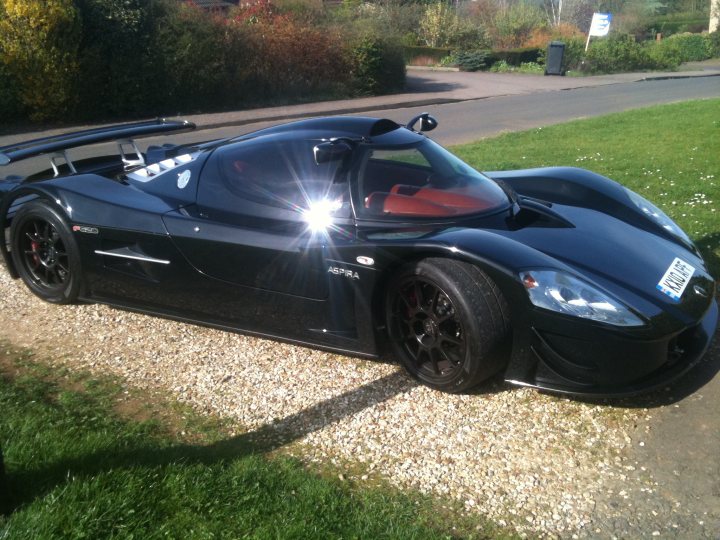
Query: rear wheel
(45, 254)
(448, 323)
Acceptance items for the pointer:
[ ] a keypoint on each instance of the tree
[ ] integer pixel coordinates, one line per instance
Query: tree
(514, 25)
(438, 24)
(576, 12)
(38, 46)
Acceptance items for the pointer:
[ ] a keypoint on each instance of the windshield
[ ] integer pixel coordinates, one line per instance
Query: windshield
(423, 180)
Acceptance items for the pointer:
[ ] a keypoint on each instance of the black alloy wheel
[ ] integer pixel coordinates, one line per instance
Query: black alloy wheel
(429, 327)
(45, 253)
(45, 257)
(447, 323)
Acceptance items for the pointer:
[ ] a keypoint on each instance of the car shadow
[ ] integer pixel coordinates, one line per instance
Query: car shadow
(494, 385)
(25, 486)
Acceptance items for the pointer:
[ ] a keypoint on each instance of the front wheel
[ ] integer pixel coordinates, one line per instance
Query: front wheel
(45, 254)
(448, 323)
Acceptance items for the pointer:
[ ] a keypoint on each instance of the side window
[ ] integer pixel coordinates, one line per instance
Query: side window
(385, 170)
(267, 179)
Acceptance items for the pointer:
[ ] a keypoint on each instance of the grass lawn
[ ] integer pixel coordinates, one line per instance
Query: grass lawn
(670, 154)
(79, 468)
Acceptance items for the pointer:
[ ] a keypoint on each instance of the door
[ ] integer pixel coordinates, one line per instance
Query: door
(257, 229)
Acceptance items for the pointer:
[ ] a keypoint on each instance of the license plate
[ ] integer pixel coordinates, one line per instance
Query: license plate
(676, 278)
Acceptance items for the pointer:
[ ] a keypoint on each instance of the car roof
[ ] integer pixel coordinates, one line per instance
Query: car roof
(360, 127)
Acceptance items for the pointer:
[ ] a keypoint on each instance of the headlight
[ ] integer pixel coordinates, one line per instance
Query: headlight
(658, 216)
(561, 292)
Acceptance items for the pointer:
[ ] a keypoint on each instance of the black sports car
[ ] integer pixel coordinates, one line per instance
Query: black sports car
(360, 235)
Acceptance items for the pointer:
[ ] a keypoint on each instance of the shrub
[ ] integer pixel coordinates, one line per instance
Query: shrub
(514, 25)
(378, 66)
(291, 61)
(714, 40)
(617, 53)
(635, 18)
(542, 37)
(38, 45)
(119, 68)
(482, 12)
(10, 107)
(398, 19)
(574, 53)
(515, 57)
(472, 60)
(190, 58)
(675, 23)
(135, 57)
(469, 36)
(526, 67)
(685, 47)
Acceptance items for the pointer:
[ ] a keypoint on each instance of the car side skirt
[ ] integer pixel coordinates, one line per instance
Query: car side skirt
(173, 316)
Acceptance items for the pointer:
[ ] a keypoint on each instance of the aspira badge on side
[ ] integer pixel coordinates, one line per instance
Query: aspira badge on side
(343, 272)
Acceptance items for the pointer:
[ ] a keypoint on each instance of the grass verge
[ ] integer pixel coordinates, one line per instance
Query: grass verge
(86, 459)
(670, 154)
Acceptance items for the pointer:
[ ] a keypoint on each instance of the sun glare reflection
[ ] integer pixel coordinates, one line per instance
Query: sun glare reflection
(319, 215)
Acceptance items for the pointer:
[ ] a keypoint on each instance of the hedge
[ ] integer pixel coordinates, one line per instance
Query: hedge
(378, 65)
(623, 53)
(478, 59)
(137, 58)
(515, 57)
(10, 106)
(685, 47)
(668, 26)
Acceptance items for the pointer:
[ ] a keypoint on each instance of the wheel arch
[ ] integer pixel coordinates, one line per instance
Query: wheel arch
(502, 276)
(468, 342)
(10, 206)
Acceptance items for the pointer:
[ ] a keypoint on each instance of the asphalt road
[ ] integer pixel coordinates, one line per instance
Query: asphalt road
(472, 119)
(466, 121)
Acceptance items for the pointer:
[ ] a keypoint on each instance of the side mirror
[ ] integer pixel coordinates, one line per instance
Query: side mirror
(331, 151)
(427, 122)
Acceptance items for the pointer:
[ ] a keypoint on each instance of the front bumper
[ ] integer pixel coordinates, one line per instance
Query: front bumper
(608, 366)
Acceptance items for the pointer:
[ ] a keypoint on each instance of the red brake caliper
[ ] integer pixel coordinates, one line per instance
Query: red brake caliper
(35, 246)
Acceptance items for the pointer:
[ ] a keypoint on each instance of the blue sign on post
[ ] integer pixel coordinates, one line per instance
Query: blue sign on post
(600, 24)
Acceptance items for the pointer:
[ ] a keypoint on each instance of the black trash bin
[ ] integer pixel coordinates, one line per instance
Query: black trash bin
(554, 58)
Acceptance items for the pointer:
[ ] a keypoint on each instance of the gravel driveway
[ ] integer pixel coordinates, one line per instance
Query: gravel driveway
(532, 461)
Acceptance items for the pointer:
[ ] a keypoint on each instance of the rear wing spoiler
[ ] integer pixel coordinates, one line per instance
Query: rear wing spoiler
(58, 144)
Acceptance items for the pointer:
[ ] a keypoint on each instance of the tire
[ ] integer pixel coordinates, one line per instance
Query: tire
(448, 323)
(45, 253)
